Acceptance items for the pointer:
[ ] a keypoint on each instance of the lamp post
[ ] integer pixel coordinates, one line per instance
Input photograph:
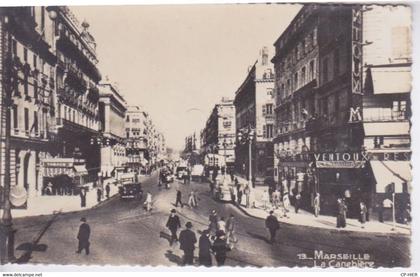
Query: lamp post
(247, 136)
(7, 231)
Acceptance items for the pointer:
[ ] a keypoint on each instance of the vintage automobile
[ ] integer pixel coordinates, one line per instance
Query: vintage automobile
(130, 191)
(128, 185)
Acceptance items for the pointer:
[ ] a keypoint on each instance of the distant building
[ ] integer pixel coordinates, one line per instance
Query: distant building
(254, 105)
(218, 136)
(112, 108)
(137, 137)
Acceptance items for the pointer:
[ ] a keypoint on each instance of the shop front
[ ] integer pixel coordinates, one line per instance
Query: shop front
(390, 177)
(345, 176)
(63, 176)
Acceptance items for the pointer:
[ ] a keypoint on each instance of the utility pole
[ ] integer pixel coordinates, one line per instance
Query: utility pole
(7, 238)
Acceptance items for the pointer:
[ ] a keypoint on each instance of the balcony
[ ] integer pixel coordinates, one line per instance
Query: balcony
(388, 116)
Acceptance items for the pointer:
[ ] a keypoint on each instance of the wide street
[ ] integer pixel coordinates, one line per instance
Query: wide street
(125, 234)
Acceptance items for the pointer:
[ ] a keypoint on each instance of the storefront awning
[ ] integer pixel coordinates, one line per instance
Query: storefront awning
(387, 172)
(80, 170)
(386, 128)
(391, 80)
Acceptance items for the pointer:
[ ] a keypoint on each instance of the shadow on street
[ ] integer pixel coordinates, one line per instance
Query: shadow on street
(173, 258)
(30, 247)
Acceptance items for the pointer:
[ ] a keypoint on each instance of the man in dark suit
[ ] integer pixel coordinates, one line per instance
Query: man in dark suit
(178, 198)
(173, 224)
(204, 246)
(187, 240)
(83, 237)
(272, 224)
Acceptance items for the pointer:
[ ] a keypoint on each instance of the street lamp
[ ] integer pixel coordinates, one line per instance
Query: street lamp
(247, 136)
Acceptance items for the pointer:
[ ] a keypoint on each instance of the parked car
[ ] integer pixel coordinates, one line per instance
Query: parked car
(197, 172)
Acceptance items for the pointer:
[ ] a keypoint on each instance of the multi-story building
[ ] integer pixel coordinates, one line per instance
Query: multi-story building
(52, 82)
(77, 94)
(321, 140)
(219, 135)
(386, 107)
(137, 137)
(296, 65)
(27, 84)
(112, 108)
(254, 104)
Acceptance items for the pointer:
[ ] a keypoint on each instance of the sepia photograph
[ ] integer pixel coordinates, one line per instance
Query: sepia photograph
(207, 135)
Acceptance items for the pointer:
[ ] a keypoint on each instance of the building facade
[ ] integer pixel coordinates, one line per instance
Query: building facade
(112, 108)
(28, 84)
(254, 108)
(321, 141)
(137, 136)
(219, 136)
(53, 98)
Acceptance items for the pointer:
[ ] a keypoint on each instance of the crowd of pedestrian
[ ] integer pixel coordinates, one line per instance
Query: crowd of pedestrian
(217, 240)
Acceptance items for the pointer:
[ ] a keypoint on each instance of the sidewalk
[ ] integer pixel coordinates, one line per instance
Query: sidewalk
(49, 204)
(305, 218)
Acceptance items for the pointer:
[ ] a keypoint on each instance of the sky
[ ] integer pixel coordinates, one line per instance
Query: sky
(178, 61)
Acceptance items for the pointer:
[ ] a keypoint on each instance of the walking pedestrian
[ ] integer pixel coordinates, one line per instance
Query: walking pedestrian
(99, 194)
(213, 218)
(297, 202)
(107, 190)
(204, 248)
(221, 225)
(272, 224)
(148, 203)
(187, 240)
(247, 192)
(265, 199)
(196, 198)
(276, 199)
(173, 224)
(192, 199)
(317, 204)
(220, 248)
(178, 198)
(82, 197)
(239, 191)
(230, 229)
(341, 214)
(363, 212)
(83, 236)
(286, 204)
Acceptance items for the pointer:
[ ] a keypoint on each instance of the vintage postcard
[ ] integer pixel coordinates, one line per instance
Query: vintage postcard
(260, 135)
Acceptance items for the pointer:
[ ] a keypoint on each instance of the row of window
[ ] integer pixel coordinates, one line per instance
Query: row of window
(15, 120)
(300, 78)
(78, 117)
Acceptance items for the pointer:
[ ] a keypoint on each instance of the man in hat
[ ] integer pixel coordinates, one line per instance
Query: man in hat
(204, 246)
(220, 248)
(173, 224)
(213, 219)
(83, 237)
(272, 224)
(187, 240)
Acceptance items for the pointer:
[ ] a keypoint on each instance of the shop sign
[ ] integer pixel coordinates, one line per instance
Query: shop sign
(390, 156)
(340, 164)
(337, 157)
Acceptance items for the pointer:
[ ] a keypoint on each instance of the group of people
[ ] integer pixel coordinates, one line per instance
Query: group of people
(241, 191)
(208, 244)
(192, 199)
